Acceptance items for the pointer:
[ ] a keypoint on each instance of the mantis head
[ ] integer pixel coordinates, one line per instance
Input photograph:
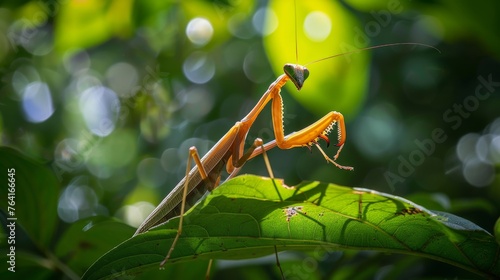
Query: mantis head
(297, 73)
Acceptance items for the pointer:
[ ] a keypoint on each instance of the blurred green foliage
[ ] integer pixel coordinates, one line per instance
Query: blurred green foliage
(111, 94)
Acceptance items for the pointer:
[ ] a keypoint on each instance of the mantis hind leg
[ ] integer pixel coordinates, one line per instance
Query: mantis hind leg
(193, 153)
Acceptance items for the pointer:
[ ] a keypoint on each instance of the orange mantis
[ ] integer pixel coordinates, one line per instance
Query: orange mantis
(230, 152)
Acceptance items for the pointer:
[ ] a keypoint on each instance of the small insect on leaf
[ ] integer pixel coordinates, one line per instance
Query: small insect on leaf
(409, 211)
(292, 211)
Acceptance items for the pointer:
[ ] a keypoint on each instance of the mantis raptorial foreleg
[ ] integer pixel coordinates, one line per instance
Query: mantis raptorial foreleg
(327, 121)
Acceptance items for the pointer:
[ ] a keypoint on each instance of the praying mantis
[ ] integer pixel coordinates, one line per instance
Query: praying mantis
(229, 152)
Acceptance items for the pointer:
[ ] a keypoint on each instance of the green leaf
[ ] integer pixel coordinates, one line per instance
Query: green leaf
(35, 196)
(246, 217)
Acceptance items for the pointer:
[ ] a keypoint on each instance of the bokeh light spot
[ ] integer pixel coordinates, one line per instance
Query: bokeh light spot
(37, 102)
(478, 154)
(135, 214)
(100, 108)
(77, 201)
(265, 21)
(198, 68)
(197, 103)
(478, 173)
(317, 26)
(376, 131)
(199, 31)
(484, 148)
(122, 78)
(495, 149)
(466, 147)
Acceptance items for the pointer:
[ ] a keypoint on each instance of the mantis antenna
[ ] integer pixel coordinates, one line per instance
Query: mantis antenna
(371, 48)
